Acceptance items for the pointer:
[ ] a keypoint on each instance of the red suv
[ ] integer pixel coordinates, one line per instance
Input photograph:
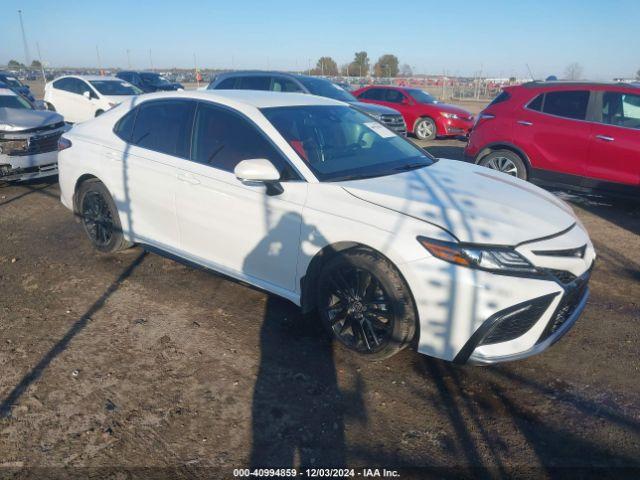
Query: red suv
(581, 135)
(424, 116)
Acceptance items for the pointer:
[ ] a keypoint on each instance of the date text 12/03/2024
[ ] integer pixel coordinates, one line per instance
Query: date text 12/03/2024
(316, 473)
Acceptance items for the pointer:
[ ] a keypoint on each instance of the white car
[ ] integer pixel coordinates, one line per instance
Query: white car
(28, 139)
(81, 97)
(309, 199)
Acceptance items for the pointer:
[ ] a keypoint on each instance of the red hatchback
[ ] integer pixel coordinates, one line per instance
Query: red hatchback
(424, 116)
(581, 135)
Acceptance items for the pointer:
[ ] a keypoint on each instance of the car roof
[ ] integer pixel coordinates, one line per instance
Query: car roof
(251, 98)
(240, 73)
(138, 71)
(90, 78)
(573, 84)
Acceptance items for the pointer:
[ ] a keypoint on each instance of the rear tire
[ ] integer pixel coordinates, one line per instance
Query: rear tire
(425, 129)
(505, 161)
(365, 304)
(100, 218)
(50, 107)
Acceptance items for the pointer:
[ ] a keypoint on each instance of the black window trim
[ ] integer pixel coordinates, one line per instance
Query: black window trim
(135, 120)
(599, 97)
(259, 131)
(589, 115)
(294, 170)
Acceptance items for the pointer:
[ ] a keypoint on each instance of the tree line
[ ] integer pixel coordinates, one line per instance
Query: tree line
(386, 66)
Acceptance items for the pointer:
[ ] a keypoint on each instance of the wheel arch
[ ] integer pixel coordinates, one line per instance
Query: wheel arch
(76, 188)
(308, 281)
(423, 116)
(492, 147)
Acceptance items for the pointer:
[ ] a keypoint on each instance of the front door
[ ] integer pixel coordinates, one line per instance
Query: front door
(247, 230)
(614, 148)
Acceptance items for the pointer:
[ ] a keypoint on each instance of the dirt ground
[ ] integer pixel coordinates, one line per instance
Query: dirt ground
(137, 362)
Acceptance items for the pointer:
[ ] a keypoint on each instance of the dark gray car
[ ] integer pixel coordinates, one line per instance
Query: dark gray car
(288, 82)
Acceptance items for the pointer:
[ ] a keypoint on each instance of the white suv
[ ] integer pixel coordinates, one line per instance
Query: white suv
(78, 98)
(309, 199)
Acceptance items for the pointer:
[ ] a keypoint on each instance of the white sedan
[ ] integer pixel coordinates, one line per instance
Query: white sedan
(82, 97)
(309, 199)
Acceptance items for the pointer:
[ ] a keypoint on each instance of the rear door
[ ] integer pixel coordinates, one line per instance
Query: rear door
(64, 98)
(554, 132)
(614, 148)
(146, 165)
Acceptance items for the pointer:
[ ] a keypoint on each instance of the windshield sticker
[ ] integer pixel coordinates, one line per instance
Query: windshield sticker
(381, 130)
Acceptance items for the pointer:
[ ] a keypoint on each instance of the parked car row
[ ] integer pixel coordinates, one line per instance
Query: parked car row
(293, 83)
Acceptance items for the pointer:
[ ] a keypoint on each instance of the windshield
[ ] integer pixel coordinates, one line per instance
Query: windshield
(115, 87)
(13, 82)
(421, 96)
(154, 79)
(325, 88)
(340, 143)
(10, 101)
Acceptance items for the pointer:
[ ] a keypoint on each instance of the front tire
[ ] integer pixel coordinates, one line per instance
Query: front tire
(365, 304)
(99, 217)
(505, 161)
(425, 129)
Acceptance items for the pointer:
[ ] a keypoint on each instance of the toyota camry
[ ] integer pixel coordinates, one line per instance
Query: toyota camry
(309, 199)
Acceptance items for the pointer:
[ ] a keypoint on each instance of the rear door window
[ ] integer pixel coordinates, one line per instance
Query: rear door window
(373, 94)
(536, 103)
(227, 84)
(281, 84)
(165, 126)
(254, 83)
(621, 109)
(394, 96)
(568, 104)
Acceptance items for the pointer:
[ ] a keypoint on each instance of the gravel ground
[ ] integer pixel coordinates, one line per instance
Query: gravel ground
(135, 361)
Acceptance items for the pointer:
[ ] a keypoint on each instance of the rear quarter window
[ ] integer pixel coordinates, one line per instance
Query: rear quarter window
(502, 97)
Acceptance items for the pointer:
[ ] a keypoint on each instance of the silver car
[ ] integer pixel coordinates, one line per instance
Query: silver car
(28, 139)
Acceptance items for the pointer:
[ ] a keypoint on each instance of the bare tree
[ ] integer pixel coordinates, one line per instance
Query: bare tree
(638, 75)
(406, 70)
(573, 71)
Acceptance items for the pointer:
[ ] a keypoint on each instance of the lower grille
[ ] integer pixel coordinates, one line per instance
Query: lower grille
(574, 292)
(516, 321)
(394, 122)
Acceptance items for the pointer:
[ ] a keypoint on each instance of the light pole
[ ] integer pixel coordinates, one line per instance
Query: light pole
(27, 55)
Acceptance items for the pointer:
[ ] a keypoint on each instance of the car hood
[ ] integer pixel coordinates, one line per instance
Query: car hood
(372, 108)
(19, 119)
(474, 204)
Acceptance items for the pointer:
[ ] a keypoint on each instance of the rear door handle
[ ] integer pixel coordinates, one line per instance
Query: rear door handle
(605, 138)
(525, 123)
(188, 178)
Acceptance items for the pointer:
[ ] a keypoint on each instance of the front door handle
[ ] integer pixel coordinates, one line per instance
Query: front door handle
(525, 123)
(188, 178)
(605, 138)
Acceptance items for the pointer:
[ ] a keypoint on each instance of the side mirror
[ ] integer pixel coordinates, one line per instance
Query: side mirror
(87, 94)
(256, 170)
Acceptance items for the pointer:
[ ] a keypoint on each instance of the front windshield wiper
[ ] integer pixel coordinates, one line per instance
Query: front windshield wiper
(410, 166)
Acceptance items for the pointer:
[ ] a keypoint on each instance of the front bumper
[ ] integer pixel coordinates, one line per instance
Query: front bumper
(458, 307)
(28, 167)
(455, 127)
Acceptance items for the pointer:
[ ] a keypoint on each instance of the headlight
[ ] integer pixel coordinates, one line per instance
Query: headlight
(5, 127)
(452, 116)
(494, 259)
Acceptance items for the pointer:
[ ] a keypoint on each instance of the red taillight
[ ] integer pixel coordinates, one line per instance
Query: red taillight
(63, 143)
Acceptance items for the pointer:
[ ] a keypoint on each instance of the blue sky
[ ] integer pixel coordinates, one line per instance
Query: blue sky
(500, 37)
